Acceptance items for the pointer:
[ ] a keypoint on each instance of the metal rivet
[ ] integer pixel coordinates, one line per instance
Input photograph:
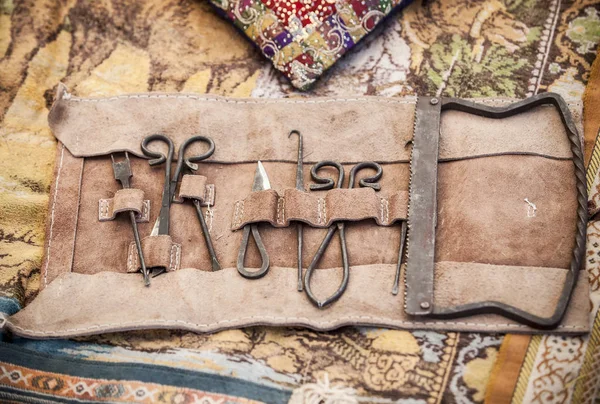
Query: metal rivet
(425, 305)
(434, 101)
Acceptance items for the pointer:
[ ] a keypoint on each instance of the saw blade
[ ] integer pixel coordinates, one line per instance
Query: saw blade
(422, 208)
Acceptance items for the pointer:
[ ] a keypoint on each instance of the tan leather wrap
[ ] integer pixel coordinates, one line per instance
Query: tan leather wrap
(159, 251)
(196, 187)
(124, 200)
(243, 132)
(490, 241)
(209, 301)
(319, 210)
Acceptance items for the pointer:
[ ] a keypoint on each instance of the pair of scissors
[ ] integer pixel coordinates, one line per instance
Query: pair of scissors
(323, 183)
(161, 226)
(261, 182)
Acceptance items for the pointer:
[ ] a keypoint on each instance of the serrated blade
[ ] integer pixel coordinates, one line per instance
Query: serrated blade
(422, 208)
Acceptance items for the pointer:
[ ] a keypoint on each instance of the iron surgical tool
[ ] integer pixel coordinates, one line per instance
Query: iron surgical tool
(403, 231)
(122, 171)
(323, 183)
(261, 182)
(161, 226)
(300, 187)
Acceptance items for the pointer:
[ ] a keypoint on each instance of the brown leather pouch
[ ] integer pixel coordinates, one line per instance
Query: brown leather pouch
(506, 216)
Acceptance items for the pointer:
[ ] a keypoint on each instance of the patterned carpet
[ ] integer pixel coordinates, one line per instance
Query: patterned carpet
(512, 48)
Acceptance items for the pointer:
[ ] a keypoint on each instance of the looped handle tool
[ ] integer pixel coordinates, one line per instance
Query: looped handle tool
(261, 182)
(170, 185)
(370, 182)
(261, 249)
(157, 159)
(325, 183)
(190, 162)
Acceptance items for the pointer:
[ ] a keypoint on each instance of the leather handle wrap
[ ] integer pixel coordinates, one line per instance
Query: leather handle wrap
(123, 201)
(159, 251)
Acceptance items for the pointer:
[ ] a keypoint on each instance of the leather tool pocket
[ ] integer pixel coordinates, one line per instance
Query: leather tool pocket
(320, 210)
(504, 226)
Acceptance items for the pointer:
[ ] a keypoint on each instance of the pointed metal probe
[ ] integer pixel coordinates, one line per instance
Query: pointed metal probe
(122, 171)
(299, 186)
(400, 257)
(209, 245)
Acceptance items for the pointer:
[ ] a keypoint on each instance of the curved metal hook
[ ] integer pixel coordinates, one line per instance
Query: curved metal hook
(300, 141)
(325, 183)
(371, 181)
(158, 157)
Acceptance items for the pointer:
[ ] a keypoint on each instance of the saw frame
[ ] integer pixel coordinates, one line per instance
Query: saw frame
(422, 213)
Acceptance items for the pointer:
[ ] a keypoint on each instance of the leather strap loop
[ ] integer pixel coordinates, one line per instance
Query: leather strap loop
(320, 210)
(196, 187)
(159, 251)
(123, 201)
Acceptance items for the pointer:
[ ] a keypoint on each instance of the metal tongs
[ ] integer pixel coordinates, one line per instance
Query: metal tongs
(324, 183)
(122, 171)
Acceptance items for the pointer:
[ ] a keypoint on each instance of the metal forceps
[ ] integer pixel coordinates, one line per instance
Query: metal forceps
(328, 183)
(123, 174)
(162, 223)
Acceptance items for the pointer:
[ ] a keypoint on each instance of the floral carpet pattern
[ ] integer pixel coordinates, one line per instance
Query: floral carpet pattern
(510, 48)
(305, 38)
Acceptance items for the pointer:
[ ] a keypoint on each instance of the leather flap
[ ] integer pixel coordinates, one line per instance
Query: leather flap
(211, 301)
(243, 132)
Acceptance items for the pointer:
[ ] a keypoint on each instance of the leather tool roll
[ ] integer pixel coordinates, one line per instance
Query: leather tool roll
(507, 214)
